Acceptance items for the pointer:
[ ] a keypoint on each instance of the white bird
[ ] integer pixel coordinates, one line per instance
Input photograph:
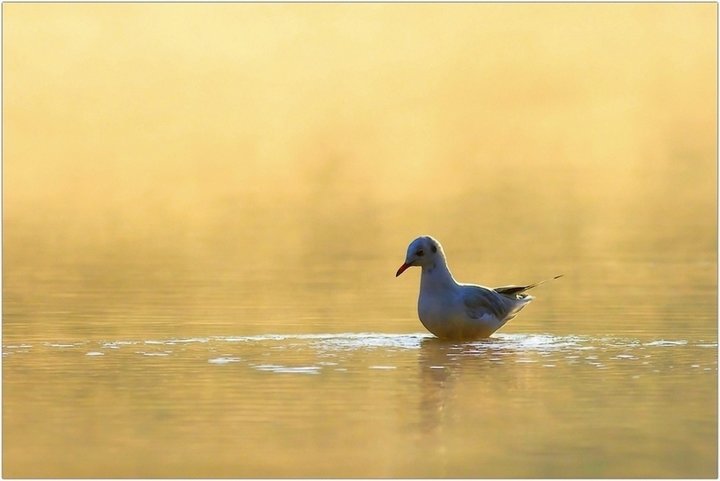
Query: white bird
(453, 310)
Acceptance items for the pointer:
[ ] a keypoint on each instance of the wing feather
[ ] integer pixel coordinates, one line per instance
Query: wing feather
(481, 302)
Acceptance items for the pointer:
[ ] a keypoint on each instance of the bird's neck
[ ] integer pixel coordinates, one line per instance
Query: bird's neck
(436, 275)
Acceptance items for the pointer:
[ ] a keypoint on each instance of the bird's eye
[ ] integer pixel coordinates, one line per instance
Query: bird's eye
(420, 253)
(433, 248)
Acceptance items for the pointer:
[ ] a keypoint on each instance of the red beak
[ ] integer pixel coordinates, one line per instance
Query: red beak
(402, 269)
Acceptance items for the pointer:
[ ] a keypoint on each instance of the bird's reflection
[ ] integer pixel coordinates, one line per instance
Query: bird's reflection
(442, 364)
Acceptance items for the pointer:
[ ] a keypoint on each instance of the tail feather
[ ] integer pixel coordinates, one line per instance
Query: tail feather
(516, 290)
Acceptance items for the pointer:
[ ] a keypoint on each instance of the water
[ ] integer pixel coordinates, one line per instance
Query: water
(198, 263)
(367, 404)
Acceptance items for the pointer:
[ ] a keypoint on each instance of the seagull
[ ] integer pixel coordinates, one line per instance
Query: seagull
(457, 311)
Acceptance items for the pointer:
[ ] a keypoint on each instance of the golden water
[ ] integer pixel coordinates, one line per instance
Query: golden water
(205, 206)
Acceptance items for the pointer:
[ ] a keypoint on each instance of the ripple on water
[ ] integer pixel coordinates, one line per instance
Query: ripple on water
(664, 342)
(63, 345)
(371, 341)
(539, 342)
(276, 368)
(317, 353)
(350, 340)
(224, 360)
(118, 344)
(155, 354)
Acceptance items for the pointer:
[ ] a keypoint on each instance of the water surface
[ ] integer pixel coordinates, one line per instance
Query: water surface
(371, 404)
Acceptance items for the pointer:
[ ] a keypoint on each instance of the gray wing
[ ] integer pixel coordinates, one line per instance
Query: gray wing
(483, 302)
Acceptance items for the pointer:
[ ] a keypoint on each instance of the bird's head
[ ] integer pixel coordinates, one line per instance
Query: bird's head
(423, 251)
